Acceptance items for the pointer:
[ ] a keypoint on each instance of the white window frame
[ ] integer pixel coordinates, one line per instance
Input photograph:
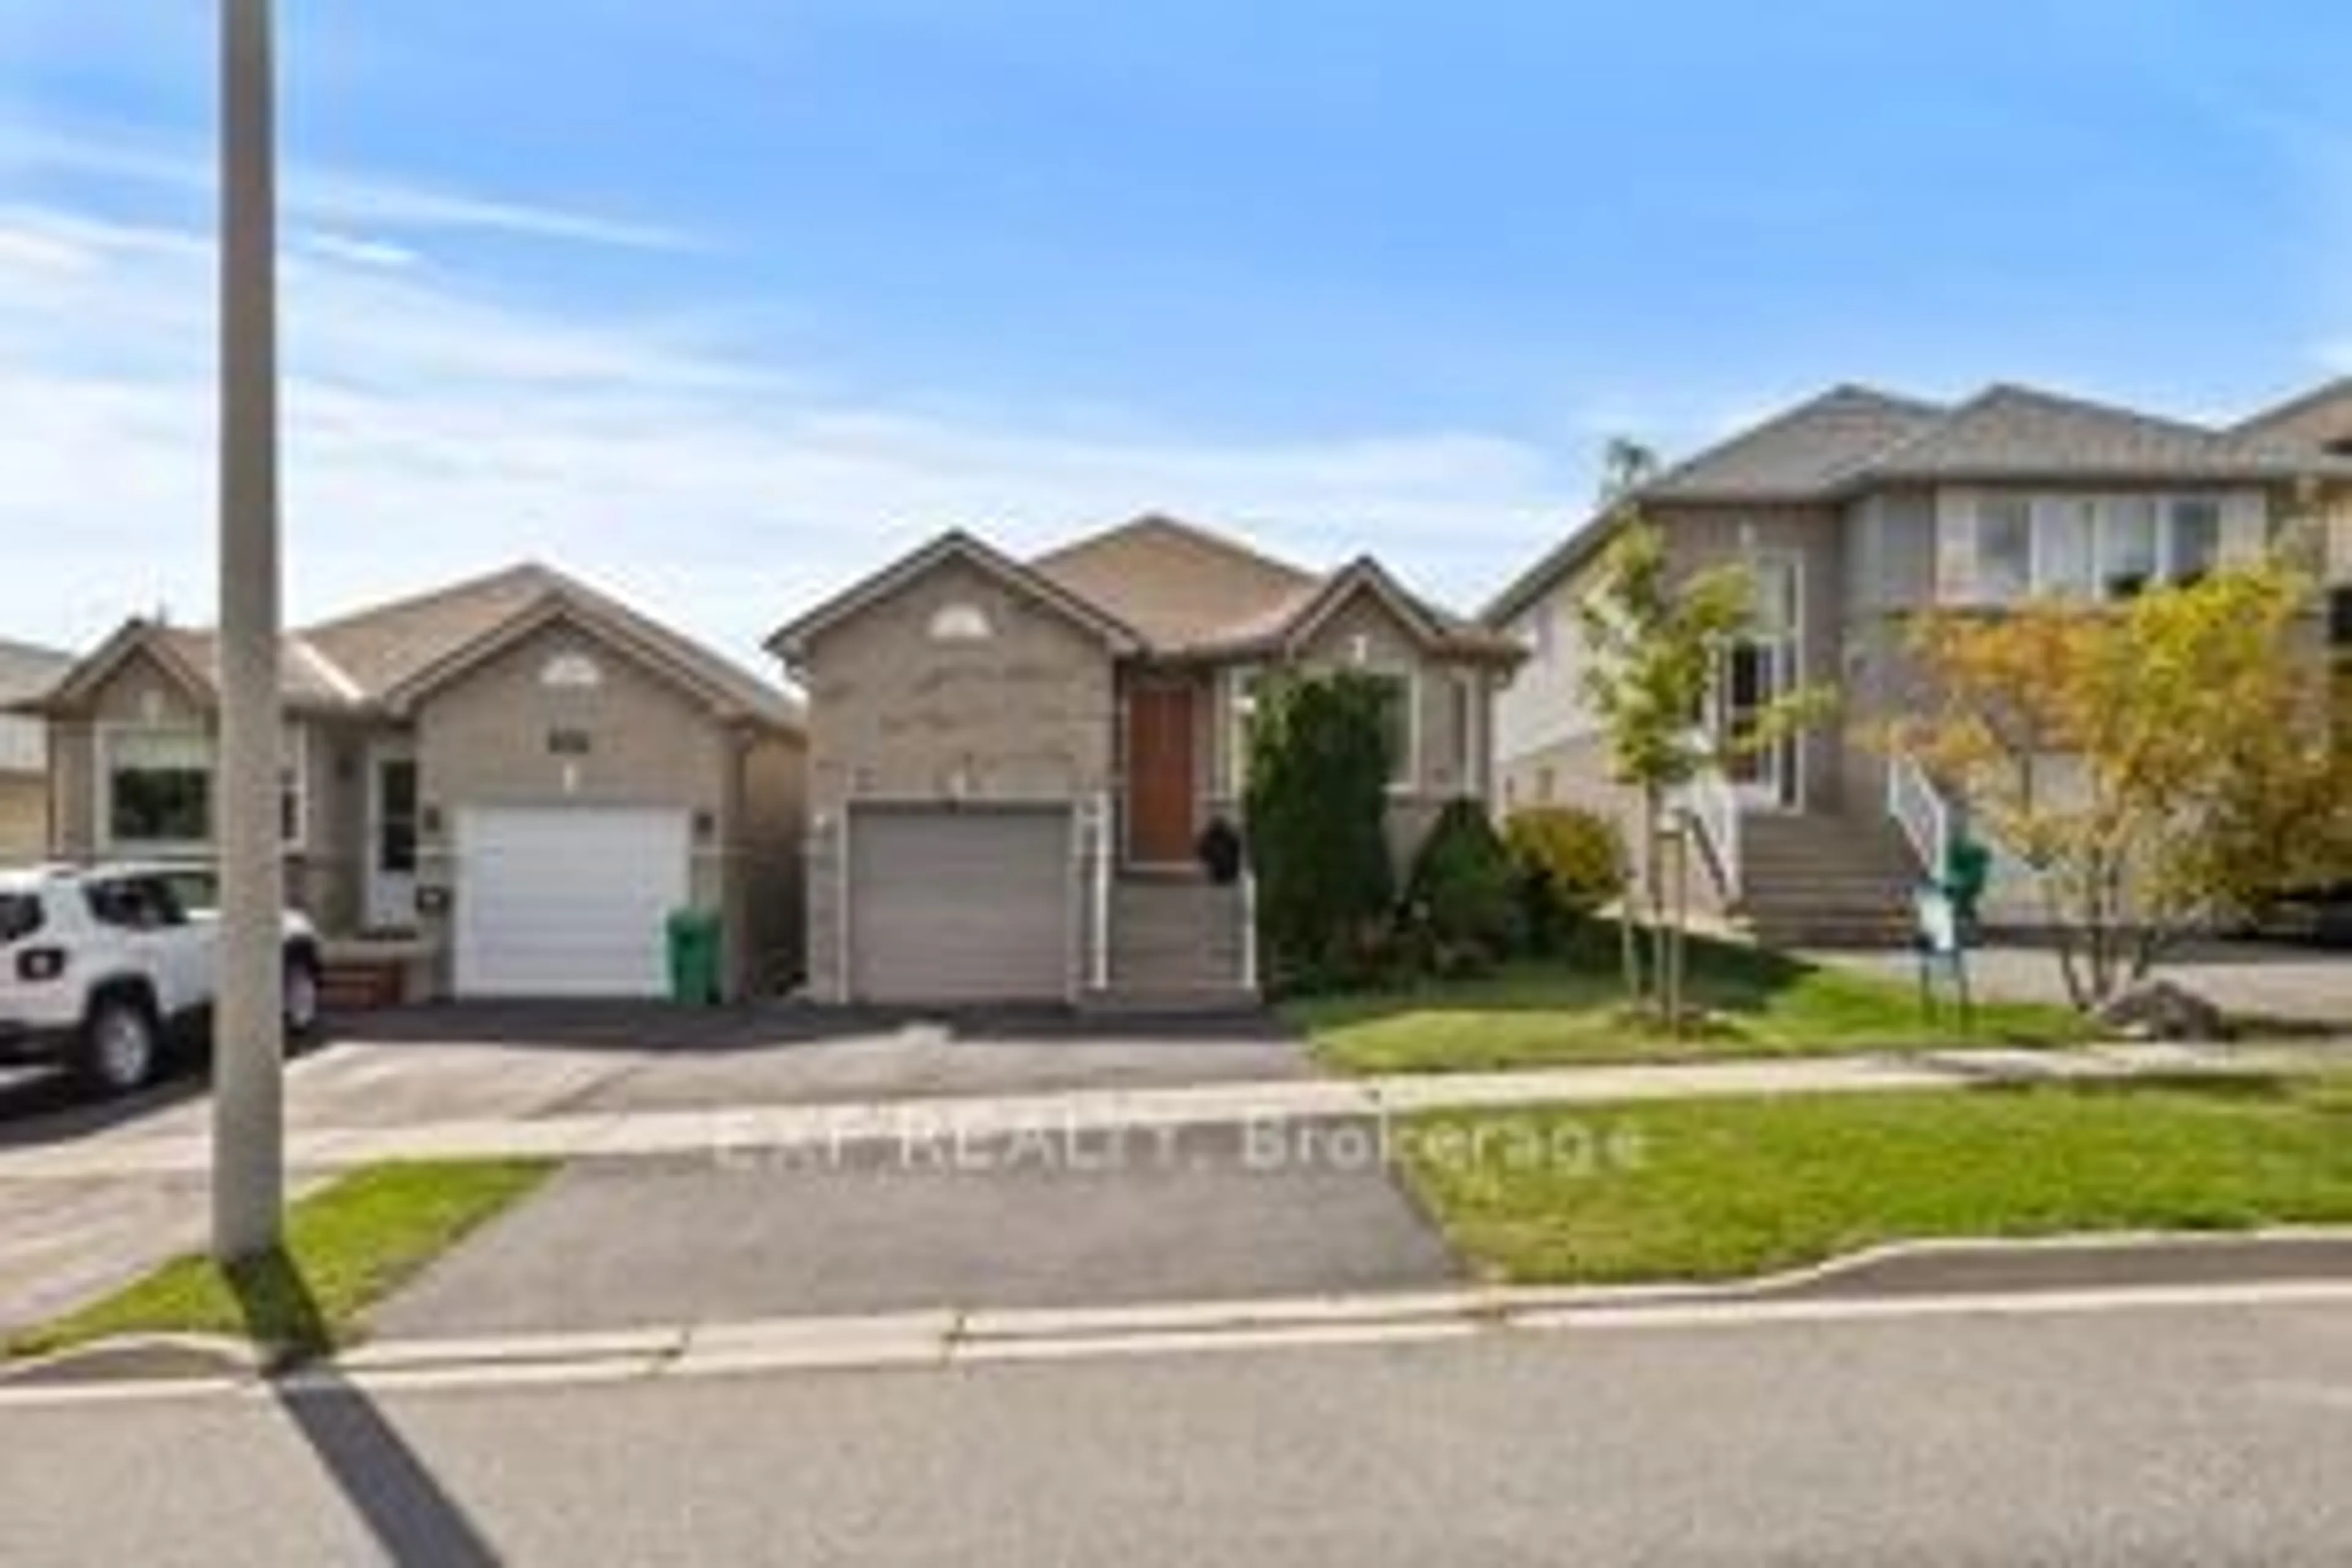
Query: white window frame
(1241, 709)
(1410, 678)
(294, 752)
(1468, 752)
(2040, 507)
(295, 755)
(1979, 579)
(105, 737)
(2045, 515)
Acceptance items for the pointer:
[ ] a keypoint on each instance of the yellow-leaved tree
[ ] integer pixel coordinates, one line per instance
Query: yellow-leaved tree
(2163, 763)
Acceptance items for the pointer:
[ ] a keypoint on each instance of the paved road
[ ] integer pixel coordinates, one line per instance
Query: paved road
(933, 1221)
(2206, 1437)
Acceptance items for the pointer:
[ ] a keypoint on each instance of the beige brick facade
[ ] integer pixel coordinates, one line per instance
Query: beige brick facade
(638, 736)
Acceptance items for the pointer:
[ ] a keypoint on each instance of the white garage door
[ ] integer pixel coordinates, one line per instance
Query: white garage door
(556, 902)
(973, 904)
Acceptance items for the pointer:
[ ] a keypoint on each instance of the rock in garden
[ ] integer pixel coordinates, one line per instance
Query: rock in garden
(2161, 1010)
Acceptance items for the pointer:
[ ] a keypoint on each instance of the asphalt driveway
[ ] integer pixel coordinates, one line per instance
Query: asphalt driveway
(61, 1243)
(926, 1222)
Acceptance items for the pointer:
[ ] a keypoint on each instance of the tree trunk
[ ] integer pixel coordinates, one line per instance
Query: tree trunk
(1661, 957)
(1679, 892)
(1628, 949)
(2069, 965)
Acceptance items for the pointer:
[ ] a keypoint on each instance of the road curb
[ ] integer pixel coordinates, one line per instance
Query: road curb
(949, 1338)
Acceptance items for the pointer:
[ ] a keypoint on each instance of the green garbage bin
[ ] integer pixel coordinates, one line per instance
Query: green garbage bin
(1967, 868)
(693, 957)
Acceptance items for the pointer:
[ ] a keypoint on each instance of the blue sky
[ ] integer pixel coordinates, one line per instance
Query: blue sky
(721, 301)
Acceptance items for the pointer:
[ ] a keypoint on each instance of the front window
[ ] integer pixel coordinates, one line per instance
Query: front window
(2004, 547)
(158, 787)
(1396, 728)
(2066, 532)
(2196, 538)
(2130, 557)
(1241, 714)
(2091, 547)
(1465, 737)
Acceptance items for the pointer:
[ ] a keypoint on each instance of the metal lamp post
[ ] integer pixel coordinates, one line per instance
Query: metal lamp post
(248, 1131)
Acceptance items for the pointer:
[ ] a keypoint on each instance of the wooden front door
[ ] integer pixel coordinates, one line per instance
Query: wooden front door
(1160, 775)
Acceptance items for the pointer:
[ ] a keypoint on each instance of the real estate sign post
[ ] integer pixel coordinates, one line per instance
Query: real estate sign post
(248, 1162)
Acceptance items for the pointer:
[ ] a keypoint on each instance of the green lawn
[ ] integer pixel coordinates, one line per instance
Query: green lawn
(1570, 1011)
(347, 1247)
(1717, 1189)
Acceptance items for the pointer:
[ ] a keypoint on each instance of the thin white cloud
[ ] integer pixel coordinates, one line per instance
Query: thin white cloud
(435, 429)
(359, 251)
(326, 197)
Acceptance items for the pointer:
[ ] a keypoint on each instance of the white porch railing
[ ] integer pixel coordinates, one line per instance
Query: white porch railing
(1712, 806)
(1920, 810)
(1103, 830)
(1249, 927)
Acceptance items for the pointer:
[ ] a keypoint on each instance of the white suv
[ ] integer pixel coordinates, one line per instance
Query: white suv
(106, 968)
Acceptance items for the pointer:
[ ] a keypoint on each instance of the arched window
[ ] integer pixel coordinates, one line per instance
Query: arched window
(571, 672)
(960, 622)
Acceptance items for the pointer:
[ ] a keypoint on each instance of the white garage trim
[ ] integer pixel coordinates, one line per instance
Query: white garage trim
(567, 902)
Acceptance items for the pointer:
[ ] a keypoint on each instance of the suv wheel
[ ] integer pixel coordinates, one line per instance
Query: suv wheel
(302, 999)
(120, 1046)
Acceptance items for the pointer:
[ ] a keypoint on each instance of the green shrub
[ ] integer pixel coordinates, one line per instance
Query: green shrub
(1462, 896)
(1567, 862)
(1317, 805)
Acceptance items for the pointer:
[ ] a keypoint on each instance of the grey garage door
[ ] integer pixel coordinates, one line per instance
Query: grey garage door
(969, 904)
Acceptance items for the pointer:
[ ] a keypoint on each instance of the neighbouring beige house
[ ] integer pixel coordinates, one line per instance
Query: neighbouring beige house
(1855, 510)
(25, 673)
(500, 789)
(1012, 763)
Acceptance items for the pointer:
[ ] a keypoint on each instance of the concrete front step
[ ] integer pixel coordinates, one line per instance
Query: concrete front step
(1825, 880)
(362, 986)
(1176, 941)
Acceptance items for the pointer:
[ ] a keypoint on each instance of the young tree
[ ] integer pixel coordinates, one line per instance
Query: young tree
(1658, 642)
(2159, 763)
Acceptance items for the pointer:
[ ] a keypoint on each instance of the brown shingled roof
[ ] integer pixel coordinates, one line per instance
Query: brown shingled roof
(394, 652)
(1178, 584)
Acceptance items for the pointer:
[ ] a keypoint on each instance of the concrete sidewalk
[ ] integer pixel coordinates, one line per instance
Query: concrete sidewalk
(751, 1133)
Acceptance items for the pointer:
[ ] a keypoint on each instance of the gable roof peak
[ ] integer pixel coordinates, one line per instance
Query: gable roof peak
(1178, 584)
(1149, 525)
